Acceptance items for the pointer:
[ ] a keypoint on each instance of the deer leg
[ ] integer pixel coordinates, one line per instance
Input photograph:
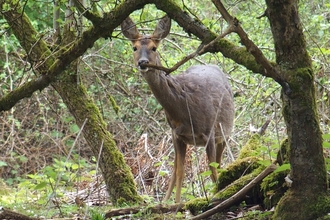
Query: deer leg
(220, 147)
(178, 170)
(211, 155)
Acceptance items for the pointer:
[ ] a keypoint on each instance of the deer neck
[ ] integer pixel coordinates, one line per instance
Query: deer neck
(166, 89)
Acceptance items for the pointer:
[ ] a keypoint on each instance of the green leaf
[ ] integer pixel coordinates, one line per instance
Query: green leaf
(283, 167)
(162, 173)
(74, 128)
(264, 162)
(3, 163)
(326, 136)
(158, 164)
(214, 164)
(326, 144)
(75, 166)
(41, 185)
(23, 159)
(206, 173)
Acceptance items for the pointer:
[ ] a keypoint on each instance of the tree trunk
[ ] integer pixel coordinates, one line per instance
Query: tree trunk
(308, 170)
(116, 173)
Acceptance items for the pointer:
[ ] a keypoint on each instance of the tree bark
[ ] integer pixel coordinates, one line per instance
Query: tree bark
(308, 170)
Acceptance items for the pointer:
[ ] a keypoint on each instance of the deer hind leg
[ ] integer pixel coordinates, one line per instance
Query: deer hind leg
(178, 170)
(220, 148)
(211, 153)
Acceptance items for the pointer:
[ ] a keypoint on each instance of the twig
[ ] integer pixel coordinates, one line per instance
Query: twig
(237, 196)
(264, 127)
(200, 50)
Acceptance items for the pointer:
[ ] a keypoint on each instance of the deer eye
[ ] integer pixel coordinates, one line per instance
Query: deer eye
(154, 49)
(135, 48)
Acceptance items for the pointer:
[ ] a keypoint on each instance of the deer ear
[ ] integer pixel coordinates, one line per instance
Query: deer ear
(163, 28)
(129, 29)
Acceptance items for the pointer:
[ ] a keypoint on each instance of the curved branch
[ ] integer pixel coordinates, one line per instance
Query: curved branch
(42, 59)
(47, 63)
(270, 69)
(238, 54)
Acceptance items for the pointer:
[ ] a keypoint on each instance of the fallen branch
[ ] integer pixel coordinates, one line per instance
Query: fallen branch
(159, 208)
(237, 196)
(8, 214)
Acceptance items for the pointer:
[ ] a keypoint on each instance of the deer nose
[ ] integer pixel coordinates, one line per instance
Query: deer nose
(141, 62)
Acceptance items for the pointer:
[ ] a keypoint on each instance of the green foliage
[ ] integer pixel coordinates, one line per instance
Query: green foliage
(96, 215)
(49, 185)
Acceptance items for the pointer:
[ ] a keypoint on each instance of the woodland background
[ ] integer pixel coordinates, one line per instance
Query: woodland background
(39, 140)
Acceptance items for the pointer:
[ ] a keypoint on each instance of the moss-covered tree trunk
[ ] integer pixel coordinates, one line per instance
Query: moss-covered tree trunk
(308, 170)
(116, 173)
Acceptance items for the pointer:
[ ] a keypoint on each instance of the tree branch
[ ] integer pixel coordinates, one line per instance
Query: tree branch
(93, 17)
(200, 50)
(159, 208)
(237, 196)
(8, 214)
(238, 54)
(270, 70)
(49, 64)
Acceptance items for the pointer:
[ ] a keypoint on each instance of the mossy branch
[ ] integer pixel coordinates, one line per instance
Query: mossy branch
(270, 69)
(238, 54)
(237, 196)
(42, 58)
(49, 64)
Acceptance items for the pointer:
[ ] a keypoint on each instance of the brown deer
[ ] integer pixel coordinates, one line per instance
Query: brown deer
(198, 103)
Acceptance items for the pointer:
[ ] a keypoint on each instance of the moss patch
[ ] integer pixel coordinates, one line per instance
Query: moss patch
(197, 206)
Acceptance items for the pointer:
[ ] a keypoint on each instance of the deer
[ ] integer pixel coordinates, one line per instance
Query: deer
(198, 103)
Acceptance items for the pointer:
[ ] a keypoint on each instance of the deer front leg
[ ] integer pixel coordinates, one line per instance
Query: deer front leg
(178, 170)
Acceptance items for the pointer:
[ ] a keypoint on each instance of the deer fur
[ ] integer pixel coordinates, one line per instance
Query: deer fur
(198, 103)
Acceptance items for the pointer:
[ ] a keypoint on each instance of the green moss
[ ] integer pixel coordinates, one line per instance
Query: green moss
(312, 206)
(114, 104)
(197, 205)
(284, 153)
(250, 147)
(117, 175)
(238, 184)
(273, 188)
(235, 170)
(298, 79)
